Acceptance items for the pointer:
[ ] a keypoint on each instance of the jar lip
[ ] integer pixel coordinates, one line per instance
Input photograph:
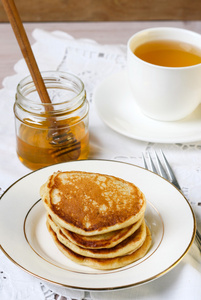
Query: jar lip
(51, 74)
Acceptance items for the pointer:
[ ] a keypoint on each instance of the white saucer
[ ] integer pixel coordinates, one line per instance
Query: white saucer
(115, 106)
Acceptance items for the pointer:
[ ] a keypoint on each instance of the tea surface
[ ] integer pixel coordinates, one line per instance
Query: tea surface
(168, 53)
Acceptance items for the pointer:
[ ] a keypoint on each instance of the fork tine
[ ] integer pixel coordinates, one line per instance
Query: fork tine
(161, 170)
(144, 162)
(153, 168)
(169, 171)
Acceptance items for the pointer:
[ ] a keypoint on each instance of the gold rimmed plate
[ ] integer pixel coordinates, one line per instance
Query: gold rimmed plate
(26, 241)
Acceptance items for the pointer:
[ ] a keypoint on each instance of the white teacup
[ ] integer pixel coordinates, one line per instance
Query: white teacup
(164, 93)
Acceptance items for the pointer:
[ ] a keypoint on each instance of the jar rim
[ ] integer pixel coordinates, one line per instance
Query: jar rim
(54, 75)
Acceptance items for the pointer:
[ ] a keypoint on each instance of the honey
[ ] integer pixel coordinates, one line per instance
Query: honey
(36, 129)
(35, 151)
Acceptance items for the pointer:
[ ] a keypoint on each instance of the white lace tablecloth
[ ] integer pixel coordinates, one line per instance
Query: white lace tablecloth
(92, 62)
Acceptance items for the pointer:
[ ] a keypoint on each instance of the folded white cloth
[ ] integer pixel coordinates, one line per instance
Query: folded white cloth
(92, 62)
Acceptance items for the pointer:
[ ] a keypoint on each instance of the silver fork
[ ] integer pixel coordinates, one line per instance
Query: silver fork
(168, 174)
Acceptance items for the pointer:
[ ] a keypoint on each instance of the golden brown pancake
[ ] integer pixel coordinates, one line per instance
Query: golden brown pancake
(129, 245)
(96, 220)
(104, 264)
(90, 203)
(105, 240)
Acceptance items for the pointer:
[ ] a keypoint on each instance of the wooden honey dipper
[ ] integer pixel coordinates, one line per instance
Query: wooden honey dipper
(56, 137)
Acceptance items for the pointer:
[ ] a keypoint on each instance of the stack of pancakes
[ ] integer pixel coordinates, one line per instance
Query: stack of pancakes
(96, 220)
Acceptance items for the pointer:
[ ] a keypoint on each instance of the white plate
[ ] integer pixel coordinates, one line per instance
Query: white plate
(115, 105)
(26, 241)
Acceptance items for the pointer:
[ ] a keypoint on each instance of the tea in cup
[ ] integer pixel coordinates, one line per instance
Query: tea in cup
(164, 70)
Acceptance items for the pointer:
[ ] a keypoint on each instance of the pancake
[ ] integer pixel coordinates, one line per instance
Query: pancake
(104, 264)
(129, 245)
(91, 203)
(105, 240)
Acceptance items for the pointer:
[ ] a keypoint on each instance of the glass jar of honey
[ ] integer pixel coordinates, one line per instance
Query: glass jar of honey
(49, 133)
